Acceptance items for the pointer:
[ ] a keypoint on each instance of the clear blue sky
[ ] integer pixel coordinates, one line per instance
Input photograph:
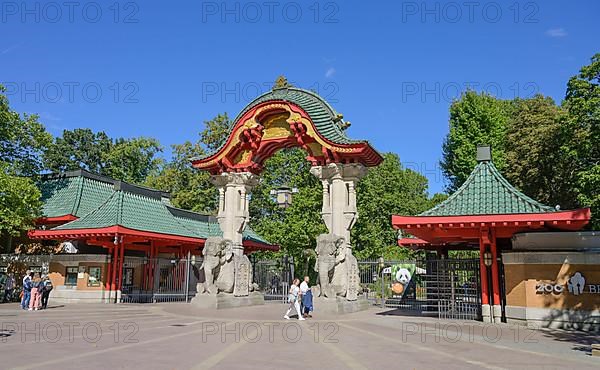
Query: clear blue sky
(391, 67)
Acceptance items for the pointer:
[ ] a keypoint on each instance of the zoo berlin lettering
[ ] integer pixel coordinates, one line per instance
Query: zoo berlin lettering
(575, 285)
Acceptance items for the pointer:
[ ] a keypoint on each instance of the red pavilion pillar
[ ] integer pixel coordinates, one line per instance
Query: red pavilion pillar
(108, 274)
(483, 274)
(497, 308)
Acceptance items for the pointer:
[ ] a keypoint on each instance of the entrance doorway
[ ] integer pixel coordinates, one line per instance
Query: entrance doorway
(443, 288)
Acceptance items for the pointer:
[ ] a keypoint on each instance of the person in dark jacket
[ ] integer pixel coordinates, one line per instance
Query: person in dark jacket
(26, 290)
(47, 287)
(9, 287)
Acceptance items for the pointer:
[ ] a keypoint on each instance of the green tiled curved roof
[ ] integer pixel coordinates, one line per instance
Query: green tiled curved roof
(487, 192)
(101, 202)
(319, 111)
(61, 196)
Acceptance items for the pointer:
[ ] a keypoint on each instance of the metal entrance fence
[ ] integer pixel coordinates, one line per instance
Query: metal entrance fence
(274, 278)
(446, 288)
(153, 280)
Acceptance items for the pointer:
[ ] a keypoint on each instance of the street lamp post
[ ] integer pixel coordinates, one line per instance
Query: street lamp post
(488, 259)
(381, 267)
(283, 195)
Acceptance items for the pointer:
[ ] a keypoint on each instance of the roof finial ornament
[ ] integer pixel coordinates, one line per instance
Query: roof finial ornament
(281, 83)
(484, 153)
(339, 120)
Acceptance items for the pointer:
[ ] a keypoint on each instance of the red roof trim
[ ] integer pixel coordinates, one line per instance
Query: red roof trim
(107, 231)
(409, 242)
(124, 231)
(582, 216)
(254, 246)
(56, 219)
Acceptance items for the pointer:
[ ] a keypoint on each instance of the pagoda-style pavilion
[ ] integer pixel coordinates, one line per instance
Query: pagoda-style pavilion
(484, 214)
(121, 218)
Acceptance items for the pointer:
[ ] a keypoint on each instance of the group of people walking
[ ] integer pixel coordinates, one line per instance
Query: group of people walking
(36, 291)
(300, 299)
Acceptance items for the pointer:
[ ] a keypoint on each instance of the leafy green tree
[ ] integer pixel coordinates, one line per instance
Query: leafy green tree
(190, 189)
(215, 132)
(19, 202)
(22, 139)
(534, 161)
(80, 148)
(133, 160)
(294, 228)
(436, 199)
(475, 119)
(387, 190)
(581, 134)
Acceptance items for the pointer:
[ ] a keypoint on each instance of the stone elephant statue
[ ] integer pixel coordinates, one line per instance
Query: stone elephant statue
(215, 253)
(328, 254)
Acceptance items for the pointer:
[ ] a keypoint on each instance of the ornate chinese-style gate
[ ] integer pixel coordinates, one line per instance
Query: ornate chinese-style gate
(288, 117)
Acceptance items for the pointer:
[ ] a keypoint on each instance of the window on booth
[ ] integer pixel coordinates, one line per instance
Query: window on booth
(71, 276)
(94, 276)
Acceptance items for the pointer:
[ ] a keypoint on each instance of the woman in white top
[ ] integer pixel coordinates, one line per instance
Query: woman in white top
(293, 300)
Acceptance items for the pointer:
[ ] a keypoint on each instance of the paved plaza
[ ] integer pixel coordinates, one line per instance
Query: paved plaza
(180, 336)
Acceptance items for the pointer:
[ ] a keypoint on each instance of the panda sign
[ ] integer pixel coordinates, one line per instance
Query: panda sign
(402, 275)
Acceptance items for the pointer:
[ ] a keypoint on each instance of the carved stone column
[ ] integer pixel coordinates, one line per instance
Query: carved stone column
(339, 196)
(339, 214)
(233, 216)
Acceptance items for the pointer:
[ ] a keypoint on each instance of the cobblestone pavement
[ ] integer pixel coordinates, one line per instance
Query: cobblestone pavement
(180, 336)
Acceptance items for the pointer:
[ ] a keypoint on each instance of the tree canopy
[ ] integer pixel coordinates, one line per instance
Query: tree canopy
(22, 142)
(550, 152)
(475, 119)
(131, 160)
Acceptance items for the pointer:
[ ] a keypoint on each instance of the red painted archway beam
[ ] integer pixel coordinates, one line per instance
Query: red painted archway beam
(248, 145)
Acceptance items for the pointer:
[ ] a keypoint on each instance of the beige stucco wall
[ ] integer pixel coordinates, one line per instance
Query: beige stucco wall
(526, 305)
(521, 281)
(58, 270)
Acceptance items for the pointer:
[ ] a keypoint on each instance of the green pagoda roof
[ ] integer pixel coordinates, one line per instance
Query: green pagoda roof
(62, 194)
(327, 121)
(101, 202)
(487, 192)
(320, 112)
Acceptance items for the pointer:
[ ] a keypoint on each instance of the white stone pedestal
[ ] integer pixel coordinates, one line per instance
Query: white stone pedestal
(340, 305)
(223, 300)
